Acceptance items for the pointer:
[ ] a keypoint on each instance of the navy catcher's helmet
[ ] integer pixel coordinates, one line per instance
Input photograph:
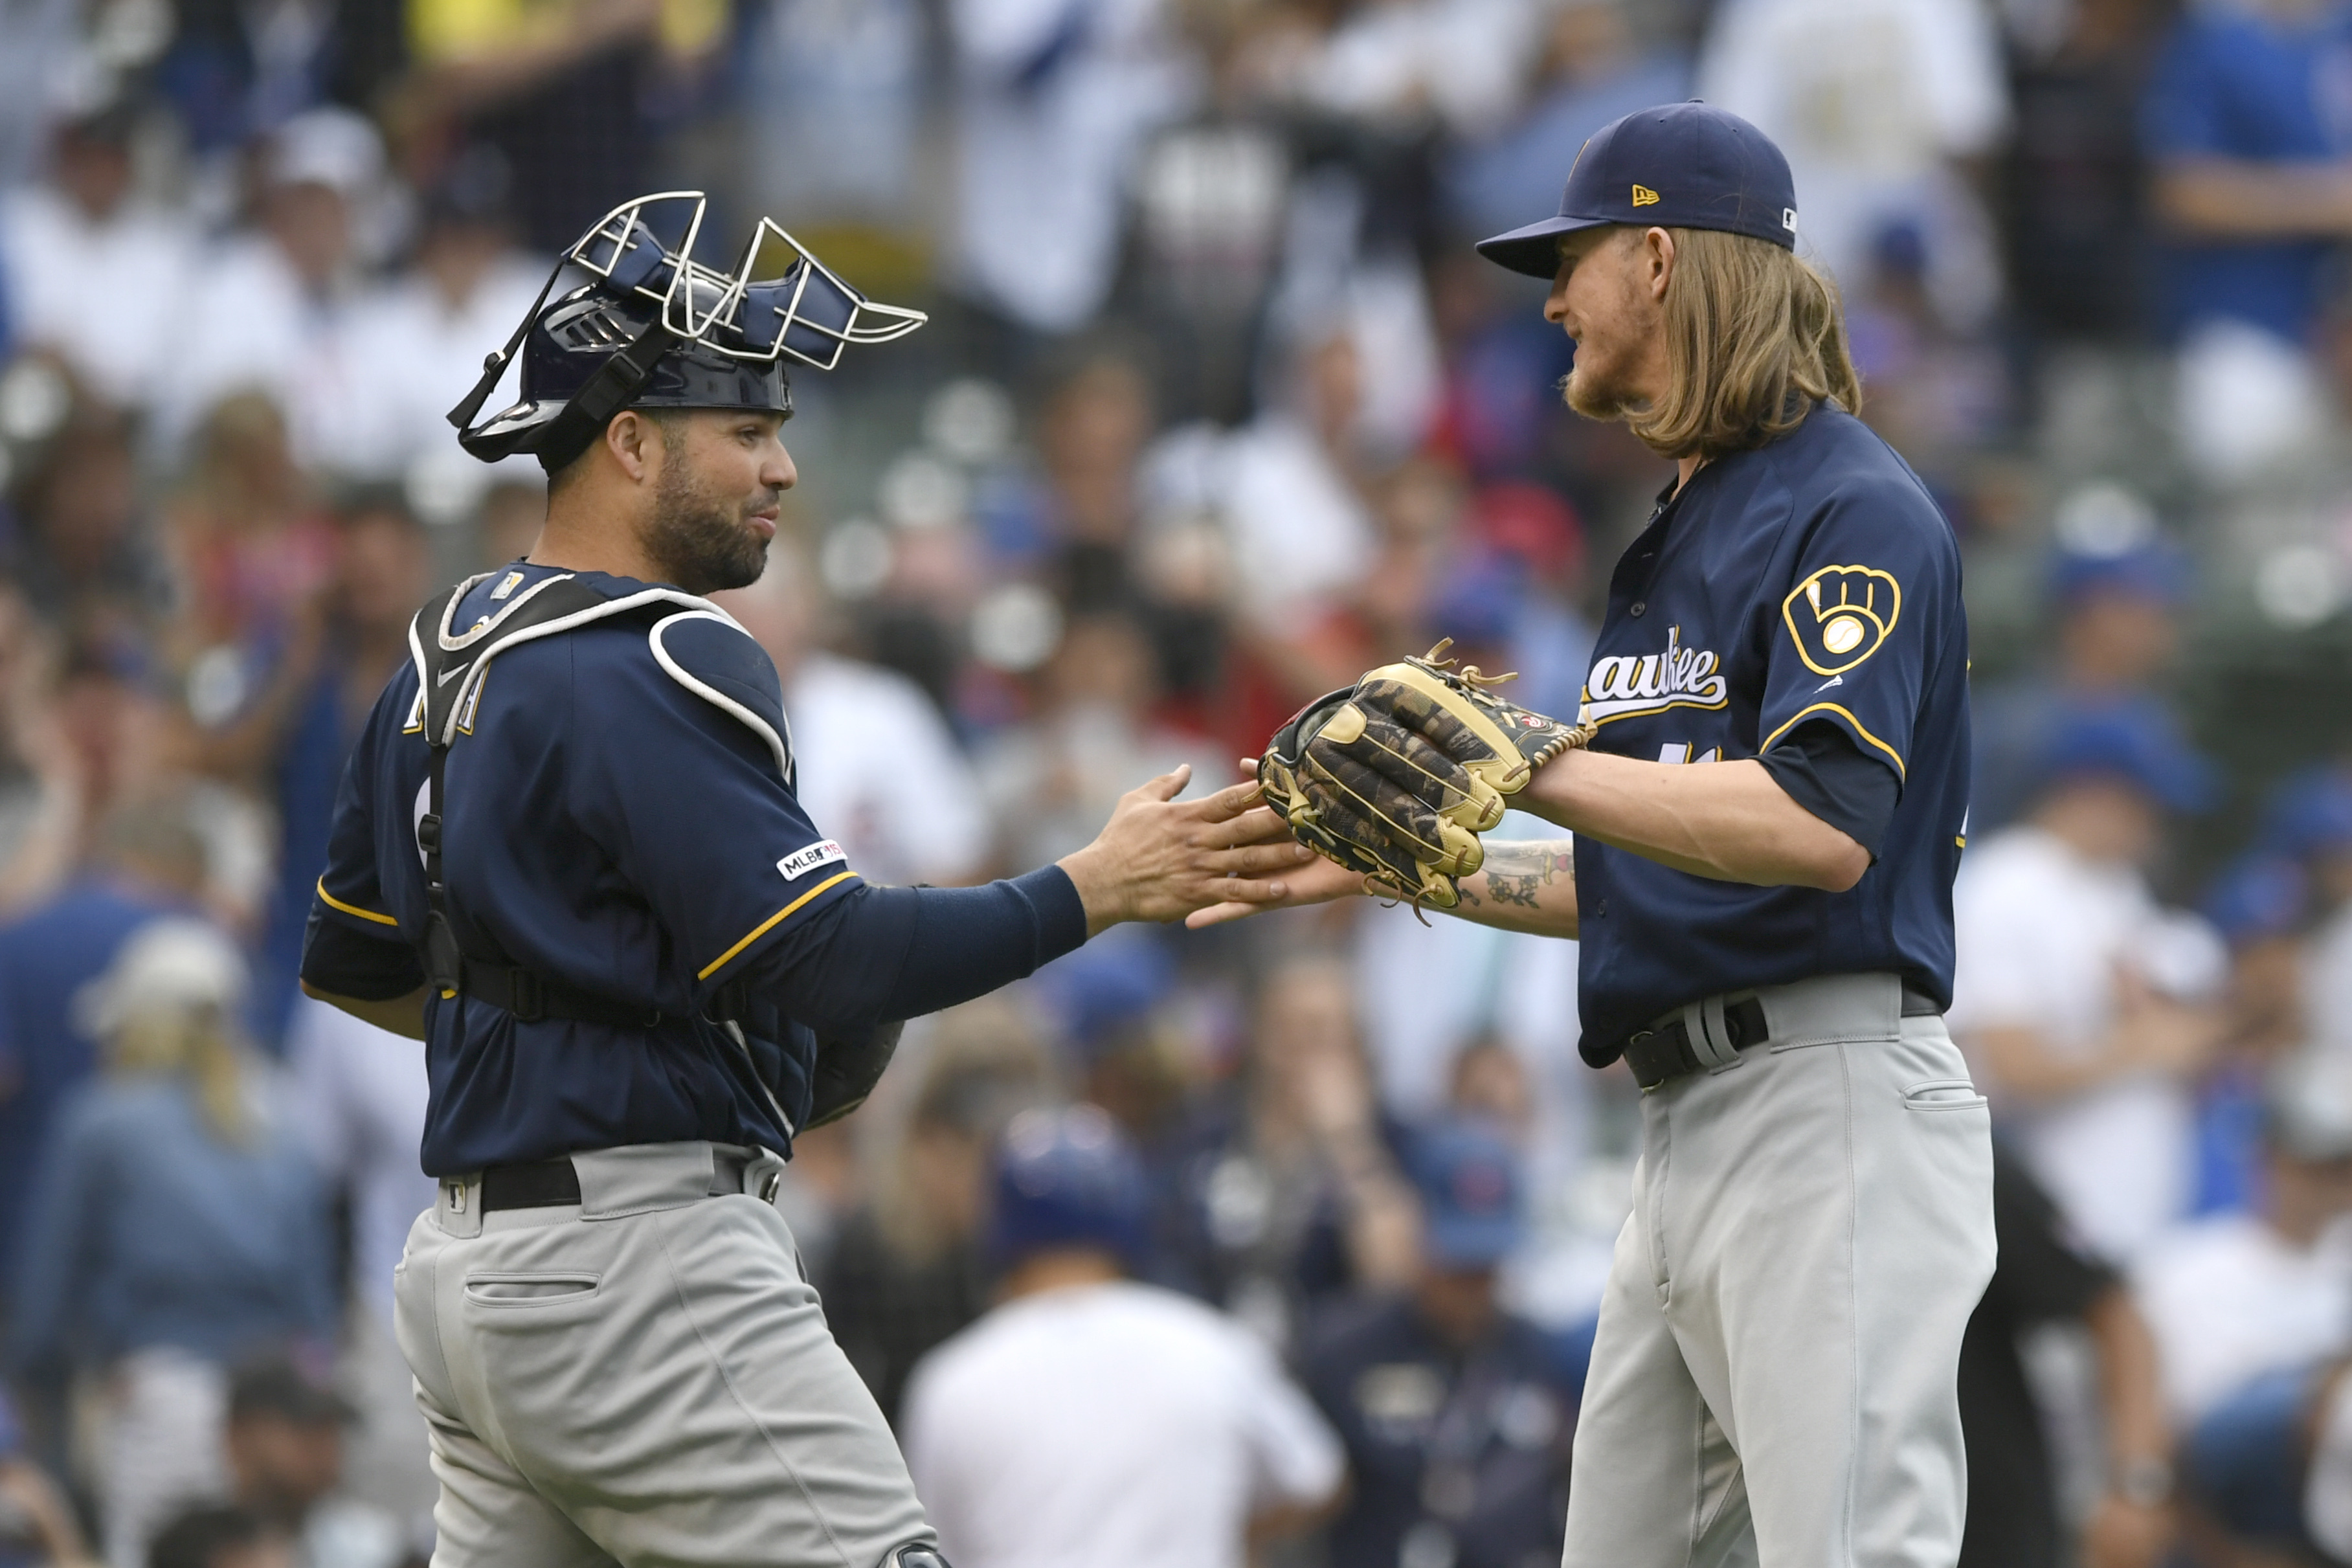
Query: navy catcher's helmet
(1066, 1178)
(653, 328)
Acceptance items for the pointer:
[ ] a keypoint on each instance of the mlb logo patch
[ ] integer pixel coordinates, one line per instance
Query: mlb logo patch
(801, 862)
(513, 581)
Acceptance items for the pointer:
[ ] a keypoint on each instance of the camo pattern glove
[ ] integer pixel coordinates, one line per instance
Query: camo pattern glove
(1396, 776)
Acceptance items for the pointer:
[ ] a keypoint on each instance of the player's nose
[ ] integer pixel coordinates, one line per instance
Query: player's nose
(1555, 302)
(778, 472)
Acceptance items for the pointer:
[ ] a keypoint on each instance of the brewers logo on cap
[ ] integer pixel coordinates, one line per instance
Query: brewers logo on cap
(1840, 616)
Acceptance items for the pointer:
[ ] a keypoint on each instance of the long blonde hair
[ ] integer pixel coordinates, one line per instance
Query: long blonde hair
(203, 1048)
(1755, 337)
(167, 1006)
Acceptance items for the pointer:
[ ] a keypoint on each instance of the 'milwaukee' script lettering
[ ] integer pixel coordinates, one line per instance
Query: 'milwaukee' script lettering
(1649, 682)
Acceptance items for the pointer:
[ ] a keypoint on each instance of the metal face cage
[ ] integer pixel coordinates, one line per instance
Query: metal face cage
(798, 308)
(805, 311)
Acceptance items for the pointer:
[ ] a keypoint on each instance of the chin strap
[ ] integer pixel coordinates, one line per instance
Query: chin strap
(613, 388)
(495, 365)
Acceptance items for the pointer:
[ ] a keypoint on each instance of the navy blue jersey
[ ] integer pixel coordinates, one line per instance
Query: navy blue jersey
(616, 815)
(1809, 582)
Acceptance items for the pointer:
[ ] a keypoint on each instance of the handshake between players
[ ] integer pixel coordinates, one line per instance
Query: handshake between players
(1383, 788)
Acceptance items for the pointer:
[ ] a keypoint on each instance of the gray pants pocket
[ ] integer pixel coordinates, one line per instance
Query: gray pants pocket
(529, 1289)
(1943, 1094)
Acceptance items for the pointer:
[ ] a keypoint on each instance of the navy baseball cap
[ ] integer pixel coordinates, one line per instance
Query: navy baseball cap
(2310, 815)
(1471, 1216)
(2257, 897)
(1679, 165)
(2134, 740)
(1068, 1177)
(2154, 571)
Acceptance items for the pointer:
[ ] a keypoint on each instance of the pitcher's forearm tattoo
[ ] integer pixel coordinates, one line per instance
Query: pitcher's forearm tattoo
(1517, 871)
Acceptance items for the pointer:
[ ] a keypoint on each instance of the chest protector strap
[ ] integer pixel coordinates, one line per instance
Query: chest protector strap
(450, 669)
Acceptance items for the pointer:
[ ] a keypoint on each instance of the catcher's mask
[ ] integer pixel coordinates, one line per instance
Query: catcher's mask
(653, 328)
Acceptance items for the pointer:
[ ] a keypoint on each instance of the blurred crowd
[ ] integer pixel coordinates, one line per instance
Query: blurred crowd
(1216, 409)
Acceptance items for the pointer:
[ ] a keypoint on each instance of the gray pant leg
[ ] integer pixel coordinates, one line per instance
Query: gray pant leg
(1653, 1482)
(1819, 1219)
(485, 1511)
(664, 1379)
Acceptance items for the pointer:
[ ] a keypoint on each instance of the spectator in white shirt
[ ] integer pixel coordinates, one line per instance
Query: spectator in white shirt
(2312, 825)
(419, 341)
(1879, 105)
(270, 309)
(2238, 1295)
(2086, 1004)
(874, 764)
(360, 1095)
(2328, 1485)
(1400, 65)
(2266, 1472)
(1055, 97)
(1093, 734)
(93, 271)
(1090, 1419)
(1285, 485)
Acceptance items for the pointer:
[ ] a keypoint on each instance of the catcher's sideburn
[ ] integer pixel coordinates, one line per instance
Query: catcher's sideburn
(1774, 1380)
(643, 1378)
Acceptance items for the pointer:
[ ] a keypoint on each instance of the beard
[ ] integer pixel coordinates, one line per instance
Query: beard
(702, 541)
(1596, 388)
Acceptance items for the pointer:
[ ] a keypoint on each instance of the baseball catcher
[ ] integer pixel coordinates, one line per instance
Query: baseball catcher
(569, 857)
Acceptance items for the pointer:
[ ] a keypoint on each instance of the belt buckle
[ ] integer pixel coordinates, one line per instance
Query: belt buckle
(1639, 1041)
(764, 1177)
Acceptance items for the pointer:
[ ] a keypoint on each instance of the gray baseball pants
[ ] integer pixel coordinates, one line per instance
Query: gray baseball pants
(1773, 1378)
(644, 1378)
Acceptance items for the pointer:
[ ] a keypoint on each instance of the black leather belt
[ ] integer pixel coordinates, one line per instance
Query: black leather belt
(553, 1183)
(1663, 1052)
(531, 997)
(541, 1184)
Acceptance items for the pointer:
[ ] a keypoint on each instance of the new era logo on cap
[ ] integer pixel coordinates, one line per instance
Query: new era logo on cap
(1714, 170)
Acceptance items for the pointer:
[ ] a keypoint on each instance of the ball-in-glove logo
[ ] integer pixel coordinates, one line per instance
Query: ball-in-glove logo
(1840, 616)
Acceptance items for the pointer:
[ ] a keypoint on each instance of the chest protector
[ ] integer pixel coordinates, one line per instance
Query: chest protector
(450, 670)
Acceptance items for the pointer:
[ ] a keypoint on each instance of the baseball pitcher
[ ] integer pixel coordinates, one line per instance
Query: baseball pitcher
(1767, 787)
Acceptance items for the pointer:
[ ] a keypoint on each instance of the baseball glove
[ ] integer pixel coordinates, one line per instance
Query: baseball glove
(1396, 776)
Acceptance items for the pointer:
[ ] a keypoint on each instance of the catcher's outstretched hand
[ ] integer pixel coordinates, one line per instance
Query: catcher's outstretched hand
(1271, 870)
(1159, 859)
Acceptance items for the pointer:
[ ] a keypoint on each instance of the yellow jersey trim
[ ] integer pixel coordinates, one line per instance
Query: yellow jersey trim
(765, 926)
(334, 902)
(1895, 756)
(1664, 706)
